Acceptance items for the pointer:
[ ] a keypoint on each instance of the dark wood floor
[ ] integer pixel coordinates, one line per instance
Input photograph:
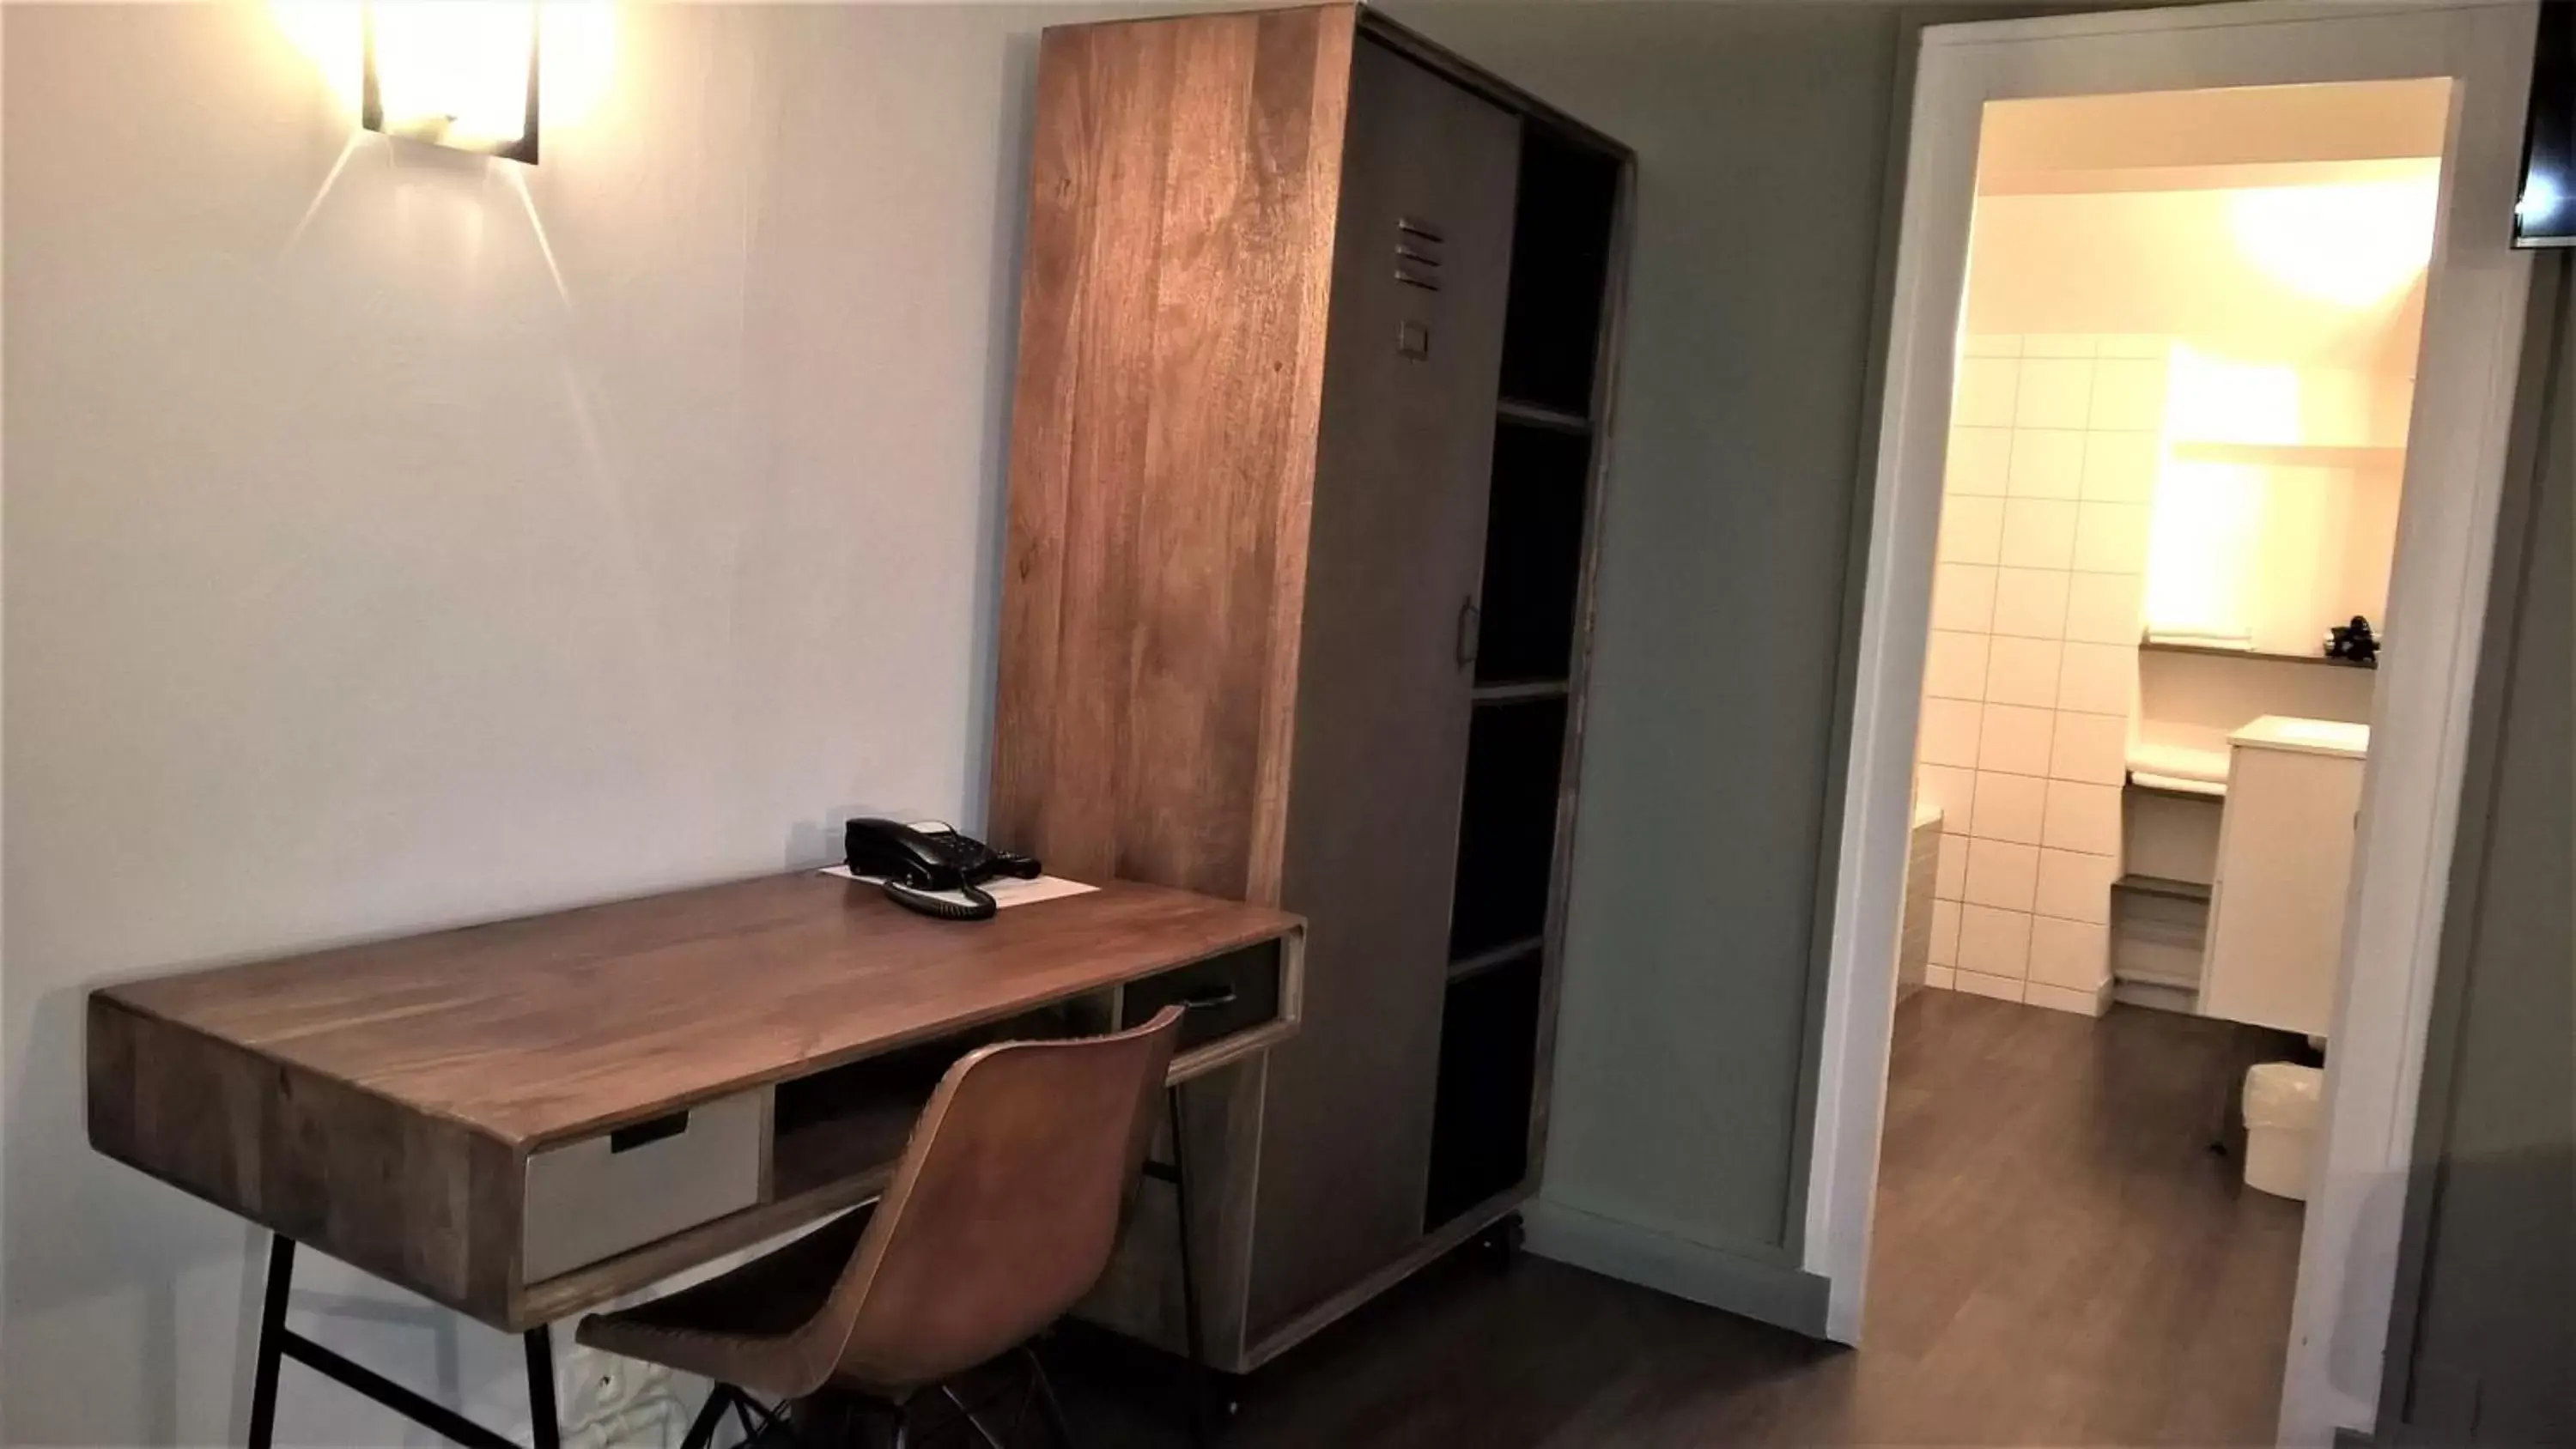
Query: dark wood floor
(2059, 1259)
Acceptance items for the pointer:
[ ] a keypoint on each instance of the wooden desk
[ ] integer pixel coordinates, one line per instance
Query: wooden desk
(434, 1110)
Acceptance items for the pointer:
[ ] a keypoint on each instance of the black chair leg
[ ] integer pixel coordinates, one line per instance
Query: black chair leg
(966, 1411)
(545, 1426)
(1192, 1334)
(744, 1407)
(272, 1341)
(702, 1429)
(902, 1427)
(1048, 1408)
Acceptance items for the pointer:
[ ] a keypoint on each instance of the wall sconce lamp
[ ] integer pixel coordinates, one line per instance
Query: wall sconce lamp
(455, 73)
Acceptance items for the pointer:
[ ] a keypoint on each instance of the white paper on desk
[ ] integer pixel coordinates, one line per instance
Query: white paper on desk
(1006, 892)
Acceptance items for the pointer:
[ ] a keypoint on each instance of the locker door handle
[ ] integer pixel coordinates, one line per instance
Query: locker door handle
(1469, 618)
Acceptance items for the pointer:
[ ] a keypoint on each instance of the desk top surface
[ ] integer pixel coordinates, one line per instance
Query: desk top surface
(561, 1025)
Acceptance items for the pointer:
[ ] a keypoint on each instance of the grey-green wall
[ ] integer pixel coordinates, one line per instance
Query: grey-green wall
(1745, 402)
(2483, 1336)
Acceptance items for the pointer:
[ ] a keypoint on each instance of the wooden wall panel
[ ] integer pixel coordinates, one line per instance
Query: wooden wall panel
(1183, 193)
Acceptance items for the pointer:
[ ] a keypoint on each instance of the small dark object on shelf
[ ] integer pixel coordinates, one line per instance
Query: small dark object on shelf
(2353, 643)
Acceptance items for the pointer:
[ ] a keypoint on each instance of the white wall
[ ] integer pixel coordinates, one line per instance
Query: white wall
(362, 577)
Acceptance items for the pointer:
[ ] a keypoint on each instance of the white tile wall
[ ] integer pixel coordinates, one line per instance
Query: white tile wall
(2054, 393)
(1994, 942)
(2074, 886)
(1951, 790)
(2013, 739)
(1963, 597)
(2031, 603)
(2007, 988)
(2022, 671)
(2103, 608)
(2082, 817)
(2002, 874)
(2008, 808)
(1982, 396)
(2093, 748)
(2067, 953)
(1950, 877)
(1954, 667)
(2046, 462)
(1950, 730)
(1980, 461)
(2111, 538)
(2098, 678)
(2036, 533)
(2128, 396)
(1972, 530)
(2032, 666)
(2121, 467)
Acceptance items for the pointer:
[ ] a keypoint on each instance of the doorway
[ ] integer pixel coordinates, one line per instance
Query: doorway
(2182, 482)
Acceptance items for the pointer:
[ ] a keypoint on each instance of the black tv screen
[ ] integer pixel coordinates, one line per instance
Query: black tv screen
(2546, 214)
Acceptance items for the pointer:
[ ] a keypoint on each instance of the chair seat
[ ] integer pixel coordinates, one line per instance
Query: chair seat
(738, 1327)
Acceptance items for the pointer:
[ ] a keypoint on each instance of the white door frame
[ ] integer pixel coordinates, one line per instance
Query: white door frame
(2454, 476)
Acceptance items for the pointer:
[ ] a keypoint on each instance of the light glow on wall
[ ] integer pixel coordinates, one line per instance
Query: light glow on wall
(2217, 400)
(2200, 551)
(2356, 244)
(455, 73)
(467, 58)
(2206, 527)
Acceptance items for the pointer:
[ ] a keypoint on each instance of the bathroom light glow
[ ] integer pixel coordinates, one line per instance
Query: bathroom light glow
(2355, 244)
(2206, 525)
(2215, 400)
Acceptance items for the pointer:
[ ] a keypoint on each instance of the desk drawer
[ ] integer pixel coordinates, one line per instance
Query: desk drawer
(598, 1197)
(1226, 994)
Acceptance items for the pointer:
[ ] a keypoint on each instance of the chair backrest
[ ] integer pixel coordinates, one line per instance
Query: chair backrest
(1004, 1210)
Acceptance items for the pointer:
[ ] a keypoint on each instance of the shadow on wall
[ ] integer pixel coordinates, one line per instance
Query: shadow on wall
(482, 541)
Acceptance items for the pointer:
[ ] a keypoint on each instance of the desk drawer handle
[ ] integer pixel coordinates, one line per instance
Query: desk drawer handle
(644, 1133)
(1208, 996)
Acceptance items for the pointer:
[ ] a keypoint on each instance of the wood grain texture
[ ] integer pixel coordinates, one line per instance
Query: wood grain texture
(1218, 577)
(1183, 190)
(379, 1102)
(412, 1198)
(568, 1024)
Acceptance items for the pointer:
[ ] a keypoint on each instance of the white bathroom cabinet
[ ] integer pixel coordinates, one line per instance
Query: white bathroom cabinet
(2285, 849)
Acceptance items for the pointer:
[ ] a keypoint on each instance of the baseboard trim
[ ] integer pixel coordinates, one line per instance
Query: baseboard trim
(1774, 1293)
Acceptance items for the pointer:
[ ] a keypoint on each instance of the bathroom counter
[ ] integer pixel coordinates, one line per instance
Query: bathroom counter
(2311, 736)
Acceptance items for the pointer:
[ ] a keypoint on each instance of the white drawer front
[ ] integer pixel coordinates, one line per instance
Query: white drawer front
(588, 1200)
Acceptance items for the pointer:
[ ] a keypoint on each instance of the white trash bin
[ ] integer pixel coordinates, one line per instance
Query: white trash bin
(2282, 1101)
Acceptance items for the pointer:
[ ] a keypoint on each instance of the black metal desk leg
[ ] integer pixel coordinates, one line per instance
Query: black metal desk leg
(1190, 1330)
(545, 1430)
(277, 1343)
(272, 1341)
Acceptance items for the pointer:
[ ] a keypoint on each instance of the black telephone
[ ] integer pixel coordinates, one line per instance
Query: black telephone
(914, 863)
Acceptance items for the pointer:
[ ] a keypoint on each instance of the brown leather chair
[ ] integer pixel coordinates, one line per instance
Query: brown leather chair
(1002, 1214)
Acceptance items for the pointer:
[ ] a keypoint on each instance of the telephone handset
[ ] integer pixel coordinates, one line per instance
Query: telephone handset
(913, 863)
